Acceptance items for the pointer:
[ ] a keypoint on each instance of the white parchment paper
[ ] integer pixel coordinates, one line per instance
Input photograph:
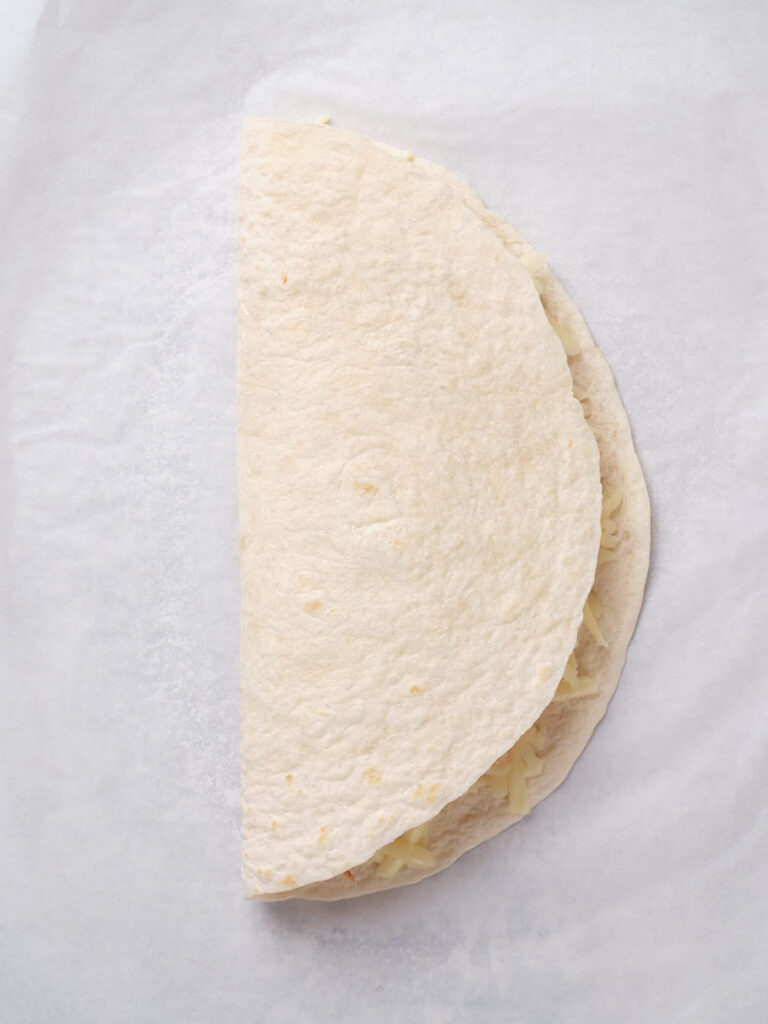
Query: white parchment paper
(628, 140)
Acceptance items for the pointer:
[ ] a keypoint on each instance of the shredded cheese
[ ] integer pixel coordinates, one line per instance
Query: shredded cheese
(507, 777)
(609, 537)
(572, 684)
(570, 344)
(411, 849)
(534, 261)
(590, 621)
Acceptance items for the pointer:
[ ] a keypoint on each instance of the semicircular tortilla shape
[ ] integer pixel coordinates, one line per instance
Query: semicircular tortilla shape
(420, 512)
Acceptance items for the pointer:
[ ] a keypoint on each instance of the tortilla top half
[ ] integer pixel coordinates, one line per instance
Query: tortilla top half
(419, 499)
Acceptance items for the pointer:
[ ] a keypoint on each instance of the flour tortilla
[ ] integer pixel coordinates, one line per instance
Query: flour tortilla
(367, 363)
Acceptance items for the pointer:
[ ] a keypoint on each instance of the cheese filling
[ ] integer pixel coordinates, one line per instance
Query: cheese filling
(411, 850)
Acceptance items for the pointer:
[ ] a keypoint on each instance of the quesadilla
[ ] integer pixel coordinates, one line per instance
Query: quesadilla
(444, 527)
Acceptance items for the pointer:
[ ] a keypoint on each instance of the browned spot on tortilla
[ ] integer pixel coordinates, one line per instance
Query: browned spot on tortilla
(366, 488)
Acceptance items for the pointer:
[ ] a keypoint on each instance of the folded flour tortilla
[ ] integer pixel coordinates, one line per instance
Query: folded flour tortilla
(444, 526)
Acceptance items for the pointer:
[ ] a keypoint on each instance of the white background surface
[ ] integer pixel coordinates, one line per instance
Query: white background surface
(622, 138)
